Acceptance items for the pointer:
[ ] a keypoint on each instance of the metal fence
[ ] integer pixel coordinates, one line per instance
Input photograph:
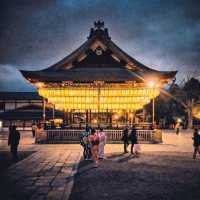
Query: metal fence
(113, 136)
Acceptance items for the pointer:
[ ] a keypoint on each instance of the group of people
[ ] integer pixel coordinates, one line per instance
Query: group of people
(132, 137)
(93, 143)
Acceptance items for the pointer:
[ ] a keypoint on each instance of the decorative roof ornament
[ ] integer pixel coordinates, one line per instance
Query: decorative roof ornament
(99, 30)
(99, 24)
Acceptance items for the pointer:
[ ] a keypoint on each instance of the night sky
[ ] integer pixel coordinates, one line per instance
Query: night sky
(162, 34)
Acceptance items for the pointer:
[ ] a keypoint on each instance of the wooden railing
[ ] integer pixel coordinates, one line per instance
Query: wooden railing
(113, 136)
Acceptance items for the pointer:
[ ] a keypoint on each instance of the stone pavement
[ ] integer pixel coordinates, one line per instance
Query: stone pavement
(48, 172)
(171, 143)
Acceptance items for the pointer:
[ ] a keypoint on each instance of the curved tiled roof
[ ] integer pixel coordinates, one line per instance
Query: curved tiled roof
(94, 66)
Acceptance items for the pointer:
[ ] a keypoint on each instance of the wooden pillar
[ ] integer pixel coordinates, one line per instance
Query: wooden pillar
(153, 112)
(71, 117)
(111, 119)
(143, 114)
(86, 117)
(90, 116)
(132, 119)
(107, 117)
(65, 117)
(53, 112)
(126, 118)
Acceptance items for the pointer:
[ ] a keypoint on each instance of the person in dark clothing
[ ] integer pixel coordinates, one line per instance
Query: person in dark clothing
(13, 142)
(125, 139)
(196, 144)
(133, 138)
(34, 128)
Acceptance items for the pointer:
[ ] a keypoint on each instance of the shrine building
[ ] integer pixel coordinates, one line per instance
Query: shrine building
(98, 83)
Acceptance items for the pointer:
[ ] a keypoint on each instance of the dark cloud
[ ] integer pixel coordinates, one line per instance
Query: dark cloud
(161, 34)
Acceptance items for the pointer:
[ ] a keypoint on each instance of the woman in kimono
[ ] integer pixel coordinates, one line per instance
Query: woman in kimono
(94, 140)
(102, 142)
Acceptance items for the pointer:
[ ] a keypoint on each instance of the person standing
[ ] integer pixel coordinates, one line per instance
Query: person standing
(177, 127)
(13, 142)
(94, 140)
(133, 138)
(102, 143)
(125, 139)
(34, 128)
(196, 144)
(84, 141)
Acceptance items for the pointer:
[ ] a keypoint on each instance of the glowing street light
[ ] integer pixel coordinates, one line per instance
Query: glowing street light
(152, 84)
(116, 117)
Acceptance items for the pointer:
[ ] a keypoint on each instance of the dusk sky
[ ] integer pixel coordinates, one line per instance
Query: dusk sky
(162, 34)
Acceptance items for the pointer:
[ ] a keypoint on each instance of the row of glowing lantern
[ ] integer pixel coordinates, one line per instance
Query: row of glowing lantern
(102, 100)
(46, 92)
(101, 106)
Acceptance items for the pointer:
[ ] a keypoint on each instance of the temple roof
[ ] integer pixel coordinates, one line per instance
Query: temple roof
(98, 59)
(30, 112)
(14, 96)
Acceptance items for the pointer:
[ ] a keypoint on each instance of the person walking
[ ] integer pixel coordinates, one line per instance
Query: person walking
(94, 140)
(102, 143)
(125, 139)
(196, 144)
(13, 142)
(133, 138)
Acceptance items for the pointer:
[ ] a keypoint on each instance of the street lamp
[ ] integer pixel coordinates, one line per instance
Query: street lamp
(152, 84)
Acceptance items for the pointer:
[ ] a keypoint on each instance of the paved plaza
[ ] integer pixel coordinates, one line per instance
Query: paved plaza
(48, 172)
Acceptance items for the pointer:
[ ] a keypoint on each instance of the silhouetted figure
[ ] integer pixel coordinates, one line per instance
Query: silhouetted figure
(196, 144)
(87, 128)
(133, 138)
(13, 141)
(177, 127)
(125, 139)
(62, 126)
(34, 128)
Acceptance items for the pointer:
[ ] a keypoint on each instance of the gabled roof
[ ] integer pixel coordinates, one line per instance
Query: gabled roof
(99, 58)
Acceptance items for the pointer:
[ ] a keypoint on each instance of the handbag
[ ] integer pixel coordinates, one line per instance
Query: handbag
(137, 147)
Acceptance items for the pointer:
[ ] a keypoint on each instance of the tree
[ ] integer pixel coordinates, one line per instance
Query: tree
(192, 91)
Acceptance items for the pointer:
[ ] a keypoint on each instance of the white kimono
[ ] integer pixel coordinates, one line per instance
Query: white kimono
(102, 138)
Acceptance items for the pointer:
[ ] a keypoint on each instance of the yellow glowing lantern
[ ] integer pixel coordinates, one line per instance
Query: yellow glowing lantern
(100, 99)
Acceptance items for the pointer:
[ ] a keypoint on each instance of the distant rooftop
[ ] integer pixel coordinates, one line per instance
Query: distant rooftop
(19, 96)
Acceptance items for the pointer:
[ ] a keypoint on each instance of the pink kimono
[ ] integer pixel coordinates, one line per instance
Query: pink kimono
(102, 138)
